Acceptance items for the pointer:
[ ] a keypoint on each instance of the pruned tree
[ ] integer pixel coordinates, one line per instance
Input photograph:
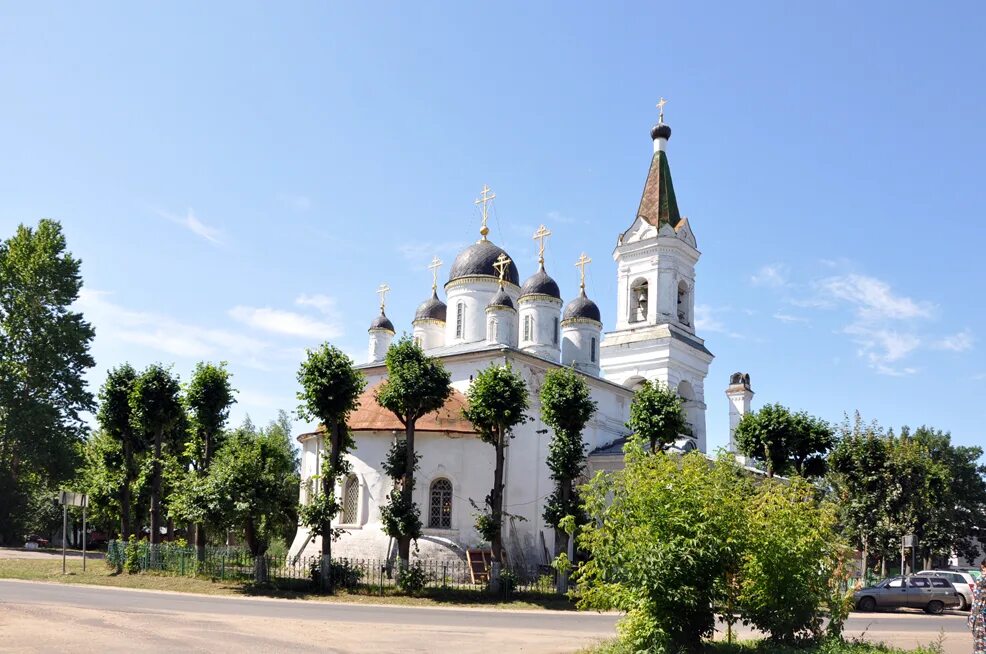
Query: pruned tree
(330, 390)
(785, 441)
(209, 396)
(115, 417)
(498, 400)
(158, 414)
(44, 355)
(416, 385)
(657, 415)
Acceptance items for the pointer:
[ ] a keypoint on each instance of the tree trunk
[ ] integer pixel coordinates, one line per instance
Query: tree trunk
(156, 489)
(328, 487)
(562, 537)
(126, 529)
(407, 489)
(200, 534)
(496, 500)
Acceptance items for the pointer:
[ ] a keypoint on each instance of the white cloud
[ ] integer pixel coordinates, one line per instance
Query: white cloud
(166, 334)
(788, 318)
(872, 298)
(287, 323)
(883, 349)
(772, 276)
(706, 321)
(959, 342)
(322, 303)
(190, 222)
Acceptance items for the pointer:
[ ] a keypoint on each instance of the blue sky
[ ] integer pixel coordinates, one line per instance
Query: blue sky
(238, 178)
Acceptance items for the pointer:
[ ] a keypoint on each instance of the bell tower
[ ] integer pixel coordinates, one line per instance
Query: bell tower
(655, 337)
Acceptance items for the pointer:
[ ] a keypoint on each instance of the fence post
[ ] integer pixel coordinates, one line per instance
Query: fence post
(222, 572)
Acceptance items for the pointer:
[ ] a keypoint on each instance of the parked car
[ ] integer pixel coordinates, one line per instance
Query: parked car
(963, 582)
(933, 594)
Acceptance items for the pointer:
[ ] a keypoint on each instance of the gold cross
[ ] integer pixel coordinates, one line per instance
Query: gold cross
(435, 264)
(484, 200)
(501, 264)
(581, 264)
(660, 107)
(539, 236)
(382, 292)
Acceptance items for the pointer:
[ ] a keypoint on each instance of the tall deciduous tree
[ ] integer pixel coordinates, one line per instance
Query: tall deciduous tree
(416, 385)
(330, 390)
(497, 402)
(785, 441)
(116, 420)
(657, 415)
(209, 396)
(158, 414)
(44, 354)
(566, 407)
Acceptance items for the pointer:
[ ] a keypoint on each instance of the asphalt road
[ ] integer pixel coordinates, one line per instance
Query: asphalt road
(42, 617)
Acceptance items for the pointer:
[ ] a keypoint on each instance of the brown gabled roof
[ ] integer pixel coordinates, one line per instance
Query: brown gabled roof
(370, 416)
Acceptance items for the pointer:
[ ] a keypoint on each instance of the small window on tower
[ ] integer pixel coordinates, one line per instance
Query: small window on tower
(555, 333)
(638, 301)
(592, 350)
(683, 303)
(460, 319)
(528, 327)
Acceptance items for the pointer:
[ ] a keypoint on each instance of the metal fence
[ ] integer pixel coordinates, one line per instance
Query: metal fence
(368, 576)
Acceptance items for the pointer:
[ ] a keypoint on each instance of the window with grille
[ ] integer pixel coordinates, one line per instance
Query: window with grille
(460, 319)
(350, 500)
(527, 328)
(440, 509)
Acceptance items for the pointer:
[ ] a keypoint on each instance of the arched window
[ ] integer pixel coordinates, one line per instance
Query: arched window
(592, 350)
(440, 506)
(350, 500)
(555, 333)
(638, 301)
(460, 319)
(528, 328)
(683, 302)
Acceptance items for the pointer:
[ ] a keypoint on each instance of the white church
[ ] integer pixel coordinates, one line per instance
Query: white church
(490, 315)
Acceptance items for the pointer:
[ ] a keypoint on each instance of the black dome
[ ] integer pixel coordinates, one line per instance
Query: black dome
(501, 299)
(432, 308)
(660, 131)
(478, 259)
(540, 284)
(582, 307)
(382, 322)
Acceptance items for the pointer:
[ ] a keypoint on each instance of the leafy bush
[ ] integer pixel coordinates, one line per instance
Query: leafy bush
(133, 555)
(412, 579)
(344, 573)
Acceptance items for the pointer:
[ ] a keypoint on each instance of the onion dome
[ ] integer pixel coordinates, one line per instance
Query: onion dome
(540, 283)
(660, 131)
(582, 307)
(382, 322)
(501, 299)
(478, 259)
(431, 309)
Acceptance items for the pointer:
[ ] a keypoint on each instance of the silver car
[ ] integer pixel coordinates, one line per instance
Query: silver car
(933, 594)
(963, 582)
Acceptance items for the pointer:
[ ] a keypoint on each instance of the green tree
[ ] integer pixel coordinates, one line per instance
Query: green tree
(158, 414)
(666, 535)
(497, 402)
(785, 441)
(101, 478)
(252, 486)
(416, 385)
(44, 354)
(330, 390)
(657, 416)
(116, 421)
(566, 407)
(209, 396)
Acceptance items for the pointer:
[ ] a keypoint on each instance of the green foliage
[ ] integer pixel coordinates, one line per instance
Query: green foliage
(412, 579)
(330, 385)
(657, 416)
(116, 420)
(208, 396)
(497, 403)
(133, 555)
(44, 354)
(785, 442)
(343, 572)
(566, 407)
(101, 477)
(684, 539)
(401, 516)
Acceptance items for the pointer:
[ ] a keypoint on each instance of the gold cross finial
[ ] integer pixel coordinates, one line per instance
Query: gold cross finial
(581, 264)
(486, 197)
(435, 264)
(539, 236)
(660, 108)
(501, 264)
(382, 292)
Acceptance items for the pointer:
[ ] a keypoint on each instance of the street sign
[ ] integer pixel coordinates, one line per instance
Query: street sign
(68, 498)
(909, 540)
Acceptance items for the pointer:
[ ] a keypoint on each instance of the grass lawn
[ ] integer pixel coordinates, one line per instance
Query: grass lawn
(98, 574)
(766, 647)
